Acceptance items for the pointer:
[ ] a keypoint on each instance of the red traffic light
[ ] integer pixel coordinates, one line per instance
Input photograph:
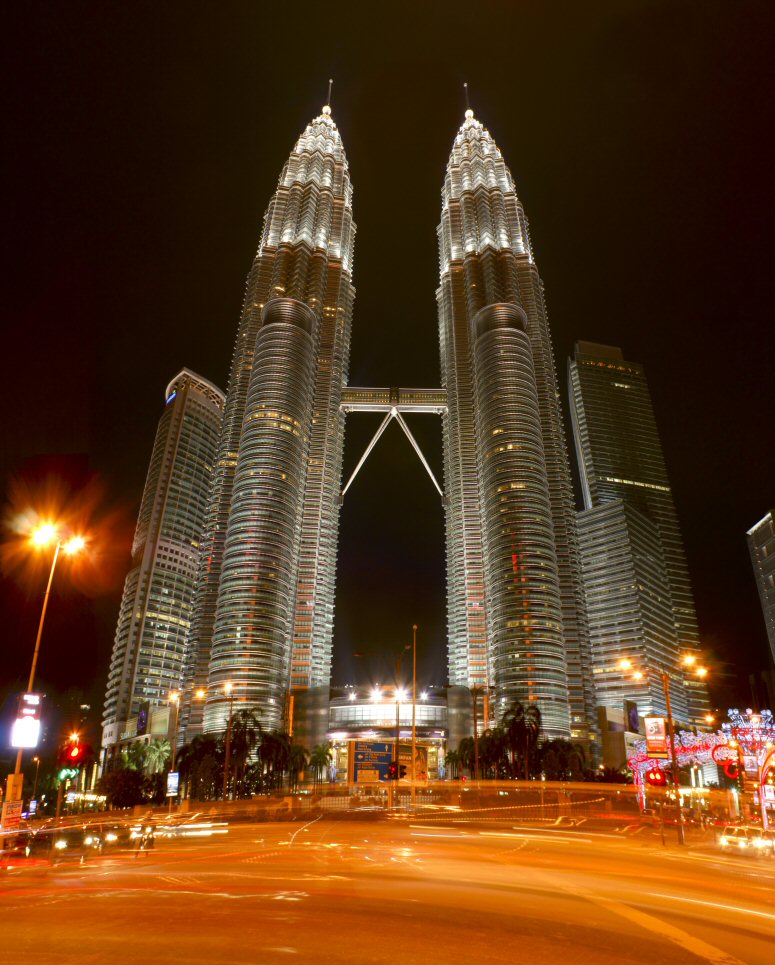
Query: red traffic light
(392, 771)
(656, 778)
(75, 752)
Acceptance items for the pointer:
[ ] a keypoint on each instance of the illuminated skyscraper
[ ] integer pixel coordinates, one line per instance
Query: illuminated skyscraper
(620, 458)
(515, 607)
(761, 545)
(263, 617)
(155, 613)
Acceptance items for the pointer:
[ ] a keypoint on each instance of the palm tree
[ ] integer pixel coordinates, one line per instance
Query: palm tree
(467, 754)
(297, 761)
(523, 728)
(452, 761)
(157, 753)
(319, 760)
(492, 750)
(198, 763)
(562, 760)
(275, 753)
(245, 738)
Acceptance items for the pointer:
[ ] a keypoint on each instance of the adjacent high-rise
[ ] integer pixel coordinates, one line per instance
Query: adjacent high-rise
(761, 545)
(155, 613)
(516, 618)
(263, 618)
(620, 459)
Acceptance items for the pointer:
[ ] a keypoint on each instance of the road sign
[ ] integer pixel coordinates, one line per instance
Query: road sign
(12, 815)
(370, 761)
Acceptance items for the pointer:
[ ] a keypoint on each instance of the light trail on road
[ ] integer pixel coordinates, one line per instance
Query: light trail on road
(357, 892)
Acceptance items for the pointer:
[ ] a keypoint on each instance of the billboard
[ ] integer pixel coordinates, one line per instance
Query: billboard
(173, 783)
(25, 731)
(420, 761)
(656, 738)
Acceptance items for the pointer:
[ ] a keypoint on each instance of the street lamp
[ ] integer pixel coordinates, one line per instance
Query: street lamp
(414, 716)
(41, 538)
(36, 762)
(174, 699)
(688, 662)
(228, 689)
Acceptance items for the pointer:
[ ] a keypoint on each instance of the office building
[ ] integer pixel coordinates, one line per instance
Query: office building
(155, 613)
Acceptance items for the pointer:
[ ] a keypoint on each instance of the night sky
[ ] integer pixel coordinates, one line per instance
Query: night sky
(142, 145)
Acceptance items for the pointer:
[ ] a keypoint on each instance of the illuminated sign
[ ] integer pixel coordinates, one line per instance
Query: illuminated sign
(173, 783)
(171, 396)
(25, 731)
(656, 738)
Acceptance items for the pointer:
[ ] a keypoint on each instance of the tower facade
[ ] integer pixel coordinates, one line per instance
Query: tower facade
(620, 458)
(516, 619)
(155, 613)
(265, 628)
(761, 545)
(628, 607)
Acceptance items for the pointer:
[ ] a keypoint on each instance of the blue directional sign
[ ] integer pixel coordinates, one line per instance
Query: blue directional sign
(370, 761)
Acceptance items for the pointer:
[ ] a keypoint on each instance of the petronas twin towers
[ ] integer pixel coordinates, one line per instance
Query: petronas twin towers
(264, 607)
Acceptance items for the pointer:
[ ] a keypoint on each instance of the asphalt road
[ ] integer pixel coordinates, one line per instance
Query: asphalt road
(397, 891)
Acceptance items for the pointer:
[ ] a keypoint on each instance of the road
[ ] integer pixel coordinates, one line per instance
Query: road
(388, 891)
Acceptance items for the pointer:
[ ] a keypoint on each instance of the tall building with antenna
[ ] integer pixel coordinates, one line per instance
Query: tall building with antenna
(621, 461)
(263, 616)
(154, 618)
(515, 607)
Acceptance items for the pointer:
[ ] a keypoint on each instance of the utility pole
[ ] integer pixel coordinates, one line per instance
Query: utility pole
(414, 716)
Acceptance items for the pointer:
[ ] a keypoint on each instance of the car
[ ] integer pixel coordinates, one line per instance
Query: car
(747, 839)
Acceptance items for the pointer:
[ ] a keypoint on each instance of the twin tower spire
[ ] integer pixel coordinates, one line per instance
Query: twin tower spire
(263, 614)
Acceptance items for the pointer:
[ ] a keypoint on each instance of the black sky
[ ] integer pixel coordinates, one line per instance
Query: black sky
(143, 142)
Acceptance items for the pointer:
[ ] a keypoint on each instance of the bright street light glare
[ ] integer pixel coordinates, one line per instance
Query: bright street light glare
(701, 672)
(624, 664)
(689, 660)
(376, 693)
(44, 535)
(74, 545)
(638, 675)
(401, 694)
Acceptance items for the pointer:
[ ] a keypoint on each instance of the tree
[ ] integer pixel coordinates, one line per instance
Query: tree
(133, 757)
(199, 763)
(319, 760)
(452, 761)
(562, 760)
(275, 753)
(492, 752)
(522, 725)
(157, 753)
(245, 740)
(297, 761)
(123, 787)
(467, 754)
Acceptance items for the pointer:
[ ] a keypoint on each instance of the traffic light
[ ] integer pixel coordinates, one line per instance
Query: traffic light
(392, 771)
(656, 778)
(74, 753)
(402, 771)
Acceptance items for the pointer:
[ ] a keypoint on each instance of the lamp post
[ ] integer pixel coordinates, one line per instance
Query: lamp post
(688, 662)
(42, 537)
(229, 691)
(174, 699)
(414, 715)
(36, 762)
